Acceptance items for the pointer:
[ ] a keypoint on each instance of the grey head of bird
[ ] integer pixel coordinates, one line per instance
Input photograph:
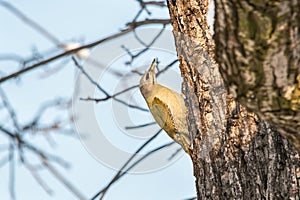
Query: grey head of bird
(148, 80)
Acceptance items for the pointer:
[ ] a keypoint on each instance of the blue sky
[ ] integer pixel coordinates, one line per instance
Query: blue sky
(85, 21)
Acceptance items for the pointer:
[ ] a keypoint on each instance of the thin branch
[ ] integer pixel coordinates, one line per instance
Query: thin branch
(24, 61)
(136, 163)
(87, 46)
(117, 100)
(120, 173)
(12, 172)
(193, 198)
(45, 158)
(138, 14)
(22, 143)
(131, 106)
(134, 71)
(151, 43)
(116, 177)
(125, 90)
(7, 132)
(143, 7)
(54, 69)
(159, 72)
(152, 3)
(9, 109)
(42, 111)
(166, 68)
(31, 22)
(133, 56)
(139, 126)
(63, 180)
(34, 172)
(98, 64)
(13, 57)
(148, 21)
(89, 77)
(4, 160)
(175, 153)
(139, 39)
(108, 97)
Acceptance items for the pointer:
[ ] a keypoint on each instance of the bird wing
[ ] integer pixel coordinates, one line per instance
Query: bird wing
(162, 114)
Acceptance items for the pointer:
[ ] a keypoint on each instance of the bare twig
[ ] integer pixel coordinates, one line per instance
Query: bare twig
(140, 126)
(54, 69)
(58, 102)
(175, 153)
(12, 56)
(16, 136)
(103, 191)
(148, 21)
(112, 96)
(116, 177)
(7, 132)
(152, 3)
(108, 96)
(9, 109)
(34, 172)
(45, 159)
(63, 180)
(139, 14)
(21, 143)
(166, 68)
(98, 64)
(127, 89)
(144, 5)
(30, 22)
(4, 160)
(133, 56)
(88, 76)
(131, 106)
(12, 172)
(87, 46)
(136, 163)
(193, 198)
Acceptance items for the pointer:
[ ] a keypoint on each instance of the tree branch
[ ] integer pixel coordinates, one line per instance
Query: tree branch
(87, 46)
(31, 23)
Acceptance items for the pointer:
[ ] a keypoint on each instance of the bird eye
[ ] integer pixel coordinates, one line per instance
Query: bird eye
(147, 76)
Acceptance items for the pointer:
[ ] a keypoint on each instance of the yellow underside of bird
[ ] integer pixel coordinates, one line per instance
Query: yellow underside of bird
(169, 111)
(167, 107)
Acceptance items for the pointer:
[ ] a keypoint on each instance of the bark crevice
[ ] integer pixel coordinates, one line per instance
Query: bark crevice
(236, 154)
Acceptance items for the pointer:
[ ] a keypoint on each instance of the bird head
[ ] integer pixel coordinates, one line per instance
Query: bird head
(148, 79)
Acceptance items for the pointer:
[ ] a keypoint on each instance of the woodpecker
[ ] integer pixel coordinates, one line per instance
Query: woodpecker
(167, 108)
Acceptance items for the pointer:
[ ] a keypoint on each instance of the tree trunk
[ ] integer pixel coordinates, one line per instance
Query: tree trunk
(258, 50)
(236, 155)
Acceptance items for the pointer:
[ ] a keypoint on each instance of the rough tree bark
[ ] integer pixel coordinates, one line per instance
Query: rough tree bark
(258, 49)
(236, 155)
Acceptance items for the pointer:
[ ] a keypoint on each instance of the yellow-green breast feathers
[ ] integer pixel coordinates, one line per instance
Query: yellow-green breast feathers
(167, 107)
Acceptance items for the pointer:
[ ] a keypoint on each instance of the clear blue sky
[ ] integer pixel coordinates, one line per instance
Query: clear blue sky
(89, 21)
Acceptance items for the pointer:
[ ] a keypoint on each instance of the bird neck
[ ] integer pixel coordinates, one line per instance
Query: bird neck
(146, 90)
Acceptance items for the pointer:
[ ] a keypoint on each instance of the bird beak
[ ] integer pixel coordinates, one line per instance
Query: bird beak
(152, 68)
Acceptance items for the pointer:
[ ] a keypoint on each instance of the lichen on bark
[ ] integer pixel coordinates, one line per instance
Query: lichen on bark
(257, 48)
(236, 154)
